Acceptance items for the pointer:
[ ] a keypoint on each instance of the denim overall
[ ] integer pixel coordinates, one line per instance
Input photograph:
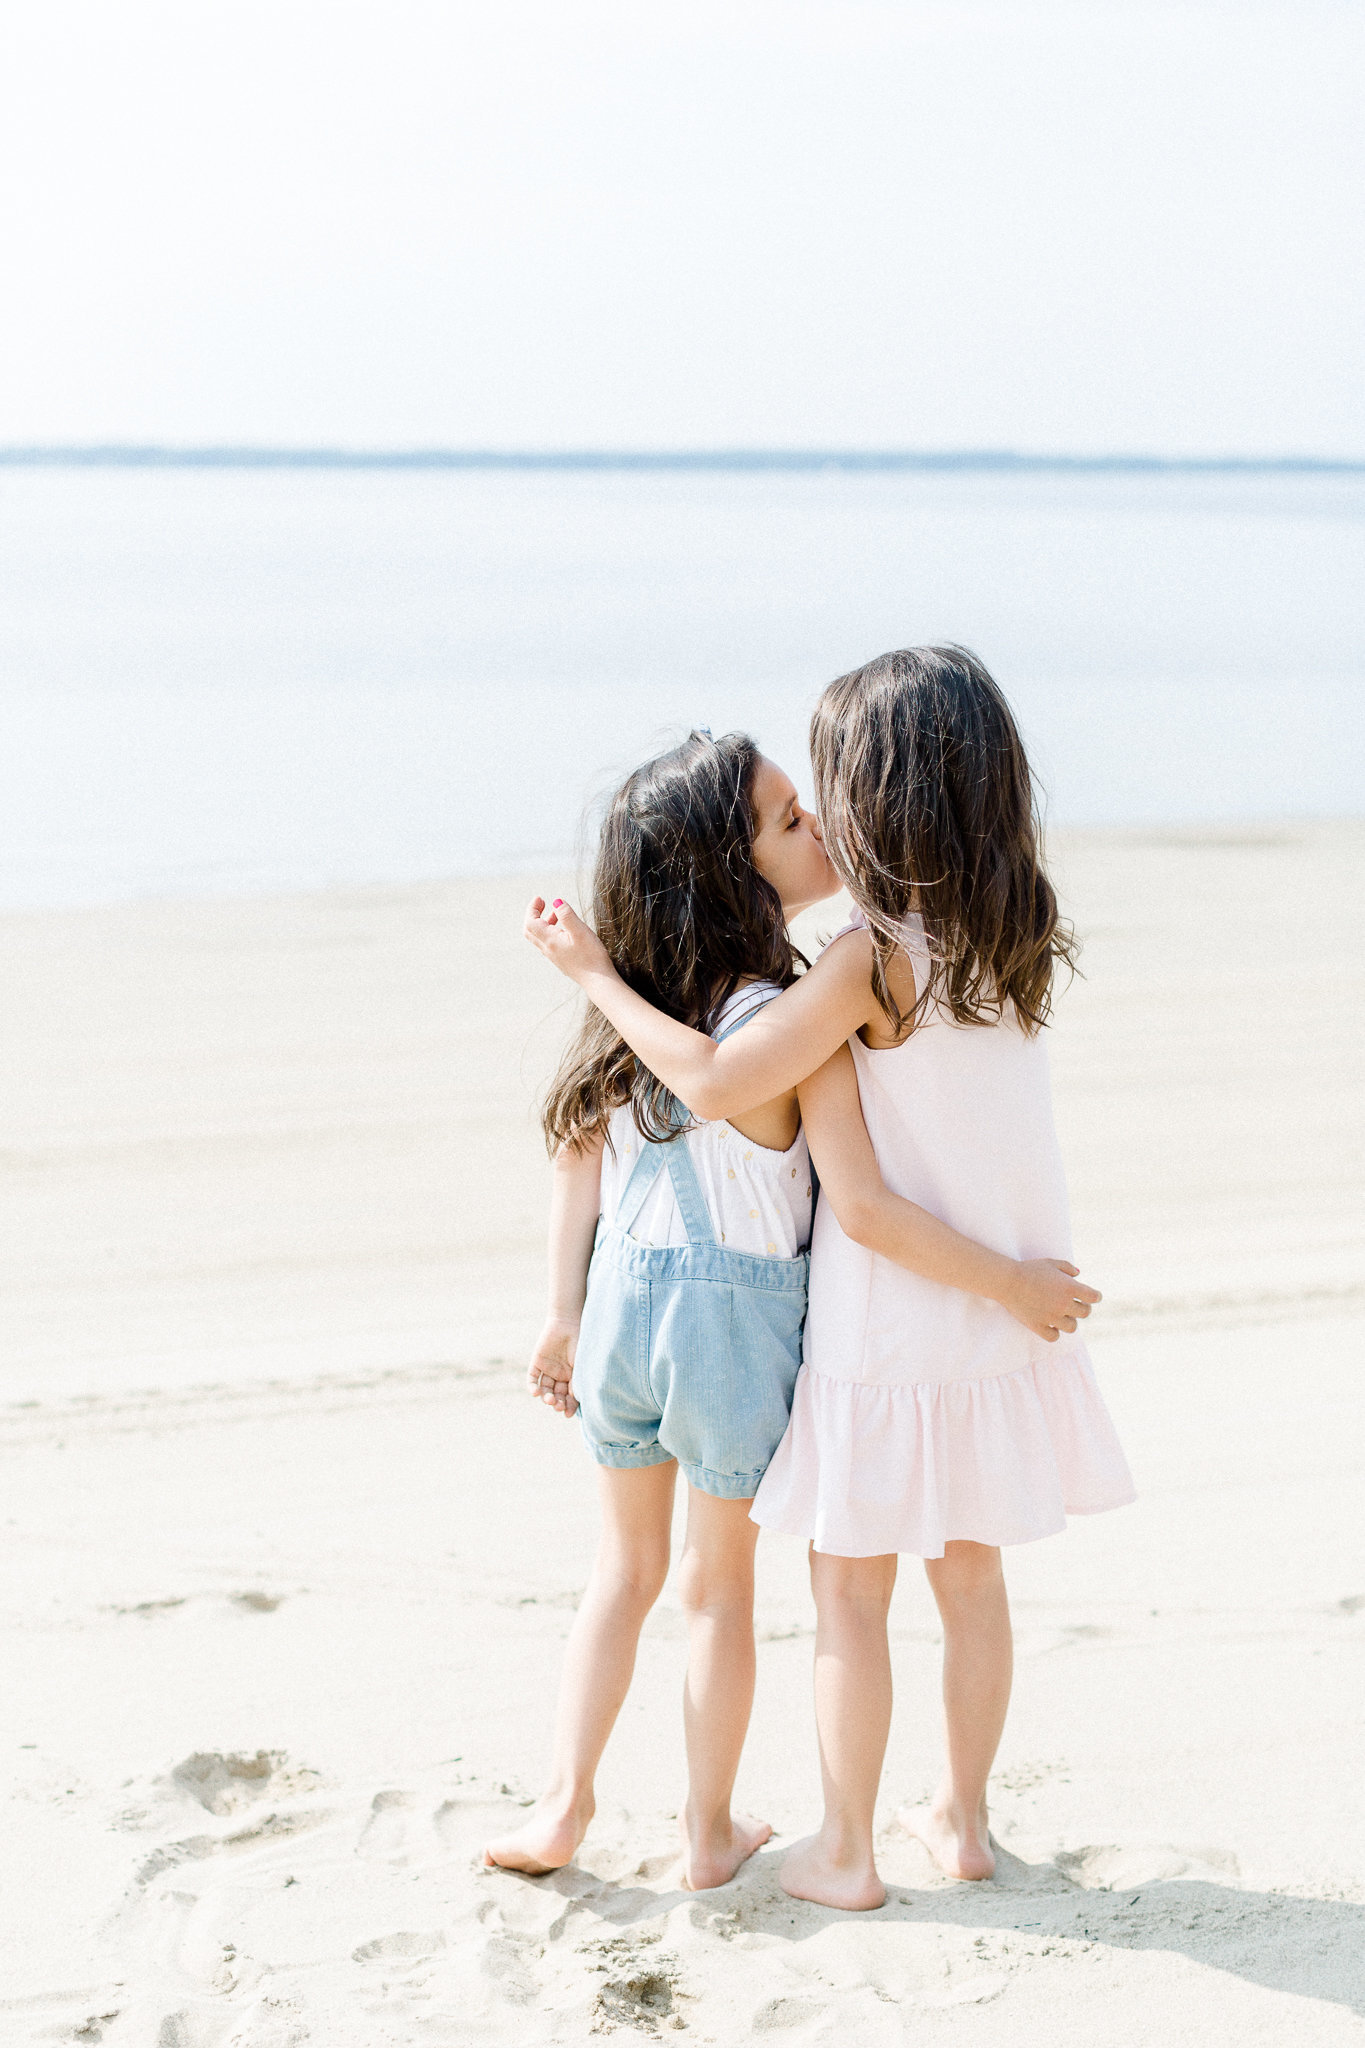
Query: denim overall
(687, 1351)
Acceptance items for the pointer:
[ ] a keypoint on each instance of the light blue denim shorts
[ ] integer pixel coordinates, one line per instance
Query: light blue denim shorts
(687, 1351)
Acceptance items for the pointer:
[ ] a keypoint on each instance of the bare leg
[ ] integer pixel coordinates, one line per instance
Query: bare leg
(853, 1718)
(978, 1665)
(627, 1578)
(716, 1586)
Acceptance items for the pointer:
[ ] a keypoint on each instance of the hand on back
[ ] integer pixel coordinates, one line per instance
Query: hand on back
(1049, 1297)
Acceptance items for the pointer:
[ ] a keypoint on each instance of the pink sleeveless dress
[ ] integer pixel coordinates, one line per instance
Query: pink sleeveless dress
(924, 1415)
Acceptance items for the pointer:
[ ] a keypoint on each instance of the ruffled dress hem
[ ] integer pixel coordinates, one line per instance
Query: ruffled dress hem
(865, 1470)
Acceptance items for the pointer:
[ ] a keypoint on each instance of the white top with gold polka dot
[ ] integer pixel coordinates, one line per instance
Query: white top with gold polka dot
(759, 1201)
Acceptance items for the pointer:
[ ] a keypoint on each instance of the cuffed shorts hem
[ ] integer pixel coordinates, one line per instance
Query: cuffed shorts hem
(637, 1457)
(629, 1457)
(722, 1485)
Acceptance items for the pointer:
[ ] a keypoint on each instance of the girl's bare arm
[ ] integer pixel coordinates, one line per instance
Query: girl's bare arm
(791, 1036)
(575, 1199)
(1044, 1294)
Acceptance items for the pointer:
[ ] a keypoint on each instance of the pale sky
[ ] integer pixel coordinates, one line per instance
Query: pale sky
(1115, 225)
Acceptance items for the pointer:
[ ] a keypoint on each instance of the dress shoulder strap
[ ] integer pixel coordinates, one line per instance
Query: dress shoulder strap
(912, 933)
(916, 943)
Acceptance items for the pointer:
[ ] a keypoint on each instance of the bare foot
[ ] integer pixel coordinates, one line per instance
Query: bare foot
(811, 1871)
(959, 1845)
(545, 1842)
(714, 1859)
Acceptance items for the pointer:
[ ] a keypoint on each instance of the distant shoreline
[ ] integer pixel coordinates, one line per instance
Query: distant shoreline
(979, 460)
(523, 873)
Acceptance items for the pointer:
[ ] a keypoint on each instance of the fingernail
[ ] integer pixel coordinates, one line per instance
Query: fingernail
(558, 903)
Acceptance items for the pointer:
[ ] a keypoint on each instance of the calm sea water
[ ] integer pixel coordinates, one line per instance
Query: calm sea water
(243, 680)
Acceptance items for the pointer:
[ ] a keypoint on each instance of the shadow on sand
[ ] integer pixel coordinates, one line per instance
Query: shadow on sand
(1277, 1940)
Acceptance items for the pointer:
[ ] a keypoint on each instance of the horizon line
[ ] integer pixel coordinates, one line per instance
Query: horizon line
(154, 455)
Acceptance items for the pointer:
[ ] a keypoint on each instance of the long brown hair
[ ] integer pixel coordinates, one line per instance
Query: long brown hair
(685, 916)
(927, 803)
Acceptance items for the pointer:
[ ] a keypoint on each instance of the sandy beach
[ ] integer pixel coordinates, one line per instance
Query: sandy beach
(290, 1556)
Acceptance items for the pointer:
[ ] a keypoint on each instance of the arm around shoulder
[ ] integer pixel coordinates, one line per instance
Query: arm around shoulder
(791, 1036)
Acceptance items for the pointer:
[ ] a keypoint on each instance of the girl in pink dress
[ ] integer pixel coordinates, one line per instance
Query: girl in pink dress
(926, 1418)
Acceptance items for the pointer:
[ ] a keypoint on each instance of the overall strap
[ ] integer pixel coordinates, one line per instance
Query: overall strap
(642, 1178)
(691, 1201)
(686, 1188)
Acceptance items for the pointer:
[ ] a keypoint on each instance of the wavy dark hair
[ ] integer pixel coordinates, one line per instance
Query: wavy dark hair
(927, 803)
(685, 916)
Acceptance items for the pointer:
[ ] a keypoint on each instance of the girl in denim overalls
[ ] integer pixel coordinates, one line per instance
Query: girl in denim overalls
(678, 1272)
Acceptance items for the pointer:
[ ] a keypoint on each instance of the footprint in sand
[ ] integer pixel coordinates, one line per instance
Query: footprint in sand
(226, 1784)
(780, 2013)
(507, 1961)
(464, 1824)
(400, 1947)
(267, 2023)
(641, 2001)
(273, 1827)
(385, 1833)
(92, 2029)
(1115, 1867)
(190, 2029)
(403, 1827)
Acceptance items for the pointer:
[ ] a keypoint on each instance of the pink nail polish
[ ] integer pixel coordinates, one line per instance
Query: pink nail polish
(558, 903)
